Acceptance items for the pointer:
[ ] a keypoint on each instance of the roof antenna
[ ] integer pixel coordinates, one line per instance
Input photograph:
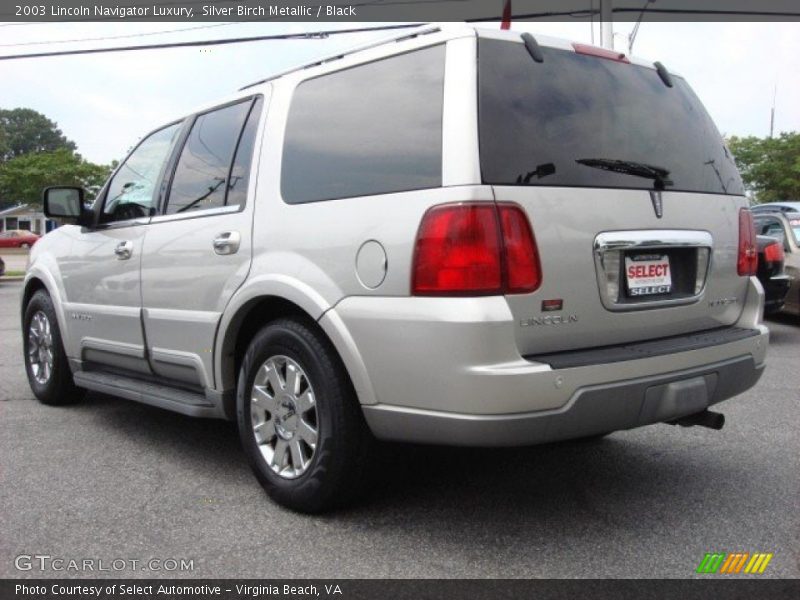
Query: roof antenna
(632, 35)
(506, 24)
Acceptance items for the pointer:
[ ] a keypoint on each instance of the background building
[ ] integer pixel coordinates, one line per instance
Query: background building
(23, 216)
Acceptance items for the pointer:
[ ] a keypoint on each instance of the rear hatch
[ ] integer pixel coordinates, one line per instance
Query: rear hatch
(633, 197)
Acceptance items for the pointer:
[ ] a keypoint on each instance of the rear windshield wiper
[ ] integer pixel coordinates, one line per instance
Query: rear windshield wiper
(542, 170)
(628, 167)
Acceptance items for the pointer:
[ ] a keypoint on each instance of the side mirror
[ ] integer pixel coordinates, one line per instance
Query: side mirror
(64, 202)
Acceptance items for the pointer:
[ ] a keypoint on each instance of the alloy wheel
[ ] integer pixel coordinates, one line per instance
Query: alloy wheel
(40, 347)
(284, 416)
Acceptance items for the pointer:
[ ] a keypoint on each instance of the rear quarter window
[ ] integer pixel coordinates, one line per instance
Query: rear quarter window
(371, 129)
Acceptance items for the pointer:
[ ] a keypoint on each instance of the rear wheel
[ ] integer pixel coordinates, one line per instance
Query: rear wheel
(299, 420)
(46, 362)
(588, 439)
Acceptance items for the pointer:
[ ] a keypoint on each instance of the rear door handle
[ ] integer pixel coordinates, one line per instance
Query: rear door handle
(124, 250)
(227, 242)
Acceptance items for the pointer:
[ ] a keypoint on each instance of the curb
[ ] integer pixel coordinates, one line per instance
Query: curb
(15, 278)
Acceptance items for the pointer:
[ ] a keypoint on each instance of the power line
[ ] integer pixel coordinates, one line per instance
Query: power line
(581, 13)
(119, 37)
(588, 13)
(216, 42)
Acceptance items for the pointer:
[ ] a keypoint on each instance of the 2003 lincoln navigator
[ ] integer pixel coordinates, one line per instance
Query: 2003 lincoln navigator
(453, 237)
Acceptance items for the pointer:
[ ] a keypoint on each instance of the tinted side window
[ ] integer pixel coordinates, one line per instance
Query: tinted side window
(371, 129)
(240, 172)
(201, 176)
(131, 190)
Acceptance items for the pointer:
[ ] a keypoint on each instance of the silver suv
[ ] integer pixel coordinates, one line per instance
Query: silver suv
(458, 237)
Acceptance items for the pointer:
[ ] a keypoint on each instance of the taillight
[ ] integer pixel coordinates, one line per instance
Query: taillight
(747, 261)
(774, 253)
(523, 271)
(475, 248)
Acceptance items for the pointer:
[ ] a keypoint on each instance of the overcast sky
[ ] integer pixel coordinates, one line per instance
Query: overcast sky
(106, 102)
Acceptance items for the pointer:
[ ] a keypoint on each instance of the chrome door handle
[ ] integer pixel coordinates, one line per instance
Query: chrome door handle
(124, 250)
(227, 243)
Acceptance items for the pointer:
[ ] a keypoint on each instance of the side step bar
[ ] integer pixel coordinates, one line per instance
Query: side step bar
(185, 402)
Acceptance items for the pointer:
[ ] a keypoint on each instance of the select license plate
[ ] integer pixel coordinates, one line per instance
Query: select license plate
(648, 274)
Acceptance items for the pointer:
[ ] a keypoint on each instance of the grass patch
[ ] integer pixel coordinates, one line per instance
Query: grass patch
(14, 274)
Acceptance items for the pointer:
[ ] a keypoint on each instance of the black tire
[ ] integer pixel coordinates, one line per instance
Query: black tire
(59, 388)
(336, 469)
(589, 439)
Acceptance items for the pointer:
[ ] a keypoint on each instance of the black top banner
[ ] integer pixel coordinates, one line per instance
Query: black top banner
(398, 10)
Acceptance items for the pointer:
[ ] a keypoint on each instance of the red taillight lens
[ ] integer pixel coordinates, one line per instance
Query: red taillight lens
(523, 271)
(473, 249)
(747, 262)
(774, 253)
(458, 251)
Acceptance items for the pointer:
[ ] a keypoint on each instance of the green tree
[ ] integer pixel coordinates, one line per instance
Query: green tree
(770, 167)
(25, 131)
(23, 178)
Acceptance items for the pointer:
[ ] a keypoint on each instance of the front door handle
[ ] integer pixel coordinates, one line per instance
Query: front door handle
(124, 250)
(227, 243)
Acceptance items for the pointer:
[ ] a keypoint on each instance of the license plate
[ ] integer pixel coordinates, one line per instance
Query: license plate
(648, 274)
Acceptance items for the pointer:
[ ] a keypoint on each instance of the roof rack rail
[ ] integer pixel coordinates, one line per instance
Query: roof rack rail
(424, 29)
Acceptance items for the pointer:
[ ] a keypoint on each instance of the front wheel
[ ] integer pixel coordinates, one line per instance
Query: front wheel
(25, 245)
(46, 362)
(299, 420)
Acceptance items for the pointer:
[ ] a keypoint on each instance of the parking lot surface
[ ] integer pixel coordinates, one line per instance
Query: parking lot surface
(111, 479)
(15, 260)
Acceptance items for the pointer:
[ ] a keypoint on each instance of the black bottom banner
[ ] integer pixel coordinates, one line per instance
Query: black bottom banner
(369, 589)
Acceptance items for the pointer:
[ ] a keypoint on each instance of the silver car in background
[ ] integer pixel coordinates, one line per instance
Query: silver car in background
(458, 236)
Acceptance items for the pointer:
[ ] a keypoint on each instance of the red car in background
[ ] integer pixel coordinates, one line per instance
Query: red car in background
(17, 238)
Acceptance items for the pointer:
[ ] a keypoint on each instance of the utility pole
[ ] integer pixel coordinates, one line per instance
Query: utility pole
(606, 24)
(772, 112)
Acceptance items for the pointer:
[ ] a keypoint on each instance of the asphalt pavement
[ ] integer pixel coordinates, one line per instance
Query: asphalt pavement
(109, 479)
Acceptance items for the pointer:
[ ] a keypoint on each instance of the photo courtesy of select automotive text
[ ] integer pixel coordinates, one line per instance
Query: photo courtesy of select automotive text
(399, 299)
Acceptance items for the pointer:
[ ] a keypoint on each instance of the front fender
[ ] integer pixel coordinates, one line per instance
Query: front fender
(42, 270)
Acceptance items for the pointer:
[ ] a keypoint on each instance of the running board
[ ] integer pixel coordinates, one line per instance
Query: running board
(185, 402)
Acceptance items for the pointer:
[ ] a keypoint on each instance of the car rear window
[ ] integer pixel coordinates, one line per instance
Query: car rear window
(371, 129)
(795, 224)
(538, 120)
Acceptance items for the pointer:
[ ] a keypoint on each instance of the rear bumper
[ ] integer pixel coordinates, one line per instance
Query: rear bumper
(448, 371)
(592, 410)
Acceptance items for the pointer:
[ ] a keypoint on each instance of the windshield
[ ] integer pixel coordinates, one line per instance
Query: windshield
(577, 120)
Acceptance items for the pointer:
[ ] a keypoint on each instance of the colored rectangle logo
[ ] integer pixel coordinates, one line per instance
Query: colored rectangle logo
(733, 563)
